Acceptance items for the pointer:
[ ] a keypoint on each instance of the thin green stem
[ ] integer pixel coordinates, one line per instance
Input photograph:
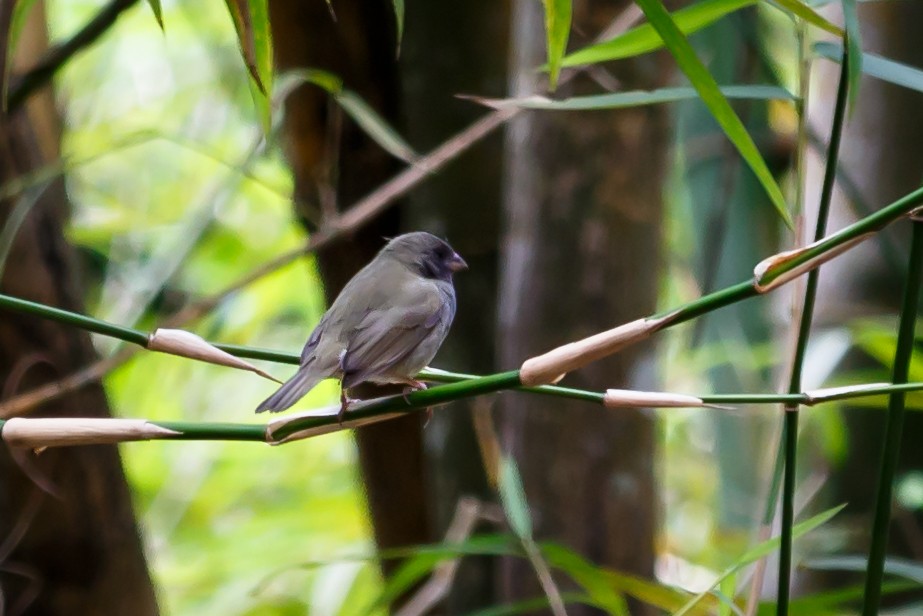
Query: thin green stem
(223, 431)
(790, 432)
(468, 386)
(414, 401)
(895, 422)
(72, 318)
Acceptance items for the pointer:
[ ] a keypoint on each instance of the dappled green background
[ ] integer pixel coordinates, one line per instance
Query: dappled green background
(175, 196)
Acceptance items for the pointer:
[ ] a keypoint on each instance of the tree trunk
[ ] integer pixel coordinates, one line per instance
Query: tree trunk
(580, 254)
(452, 48)
(335, 164)
(68, 540)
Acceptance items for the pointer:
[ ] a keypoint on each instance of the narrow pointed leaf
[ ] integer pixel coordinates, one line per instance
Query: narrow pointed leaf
(759, 551)
(514, 499)
(717, 104)
(805, 12)
(374, 125)
(157, 10)
(557, 29)
(398, 6)
(637, 98)
(251, 20)
(644, 38)
(854, 47)
(876, 66)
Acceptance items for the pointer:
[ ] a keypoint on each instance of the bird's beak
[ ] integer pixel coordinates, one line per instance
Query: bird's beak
(456, 263)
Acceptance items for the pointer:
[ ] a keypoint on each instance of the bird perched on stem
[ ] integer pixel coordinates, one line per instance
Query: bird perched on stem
(385, 326)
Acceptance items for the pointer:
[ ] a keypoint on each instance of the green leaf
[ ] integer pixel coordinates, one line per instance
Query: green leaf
(367, 118)
(251, 21)
(711, 95)
(759, 551)
(805, 12)
(644, 38)
(854, 47)
(410, 573)
(876, 66)
(398, 6)
(898, 567)
(514, 499)
(157, 10)
(538, 605)
(636, 98)
(422, 559)
(557, 29)
(726, 593)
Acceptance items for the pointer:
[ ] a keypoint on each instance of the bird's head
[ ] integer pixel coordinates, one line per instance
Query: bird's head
(426, 254)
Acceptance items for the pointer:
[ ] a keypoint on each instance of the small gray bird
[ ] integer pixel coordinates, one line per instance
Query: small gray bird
(385, 326)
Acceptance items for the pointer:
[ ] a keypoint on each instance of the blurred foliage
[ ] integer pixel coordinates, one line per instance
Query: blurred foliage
(177, 195)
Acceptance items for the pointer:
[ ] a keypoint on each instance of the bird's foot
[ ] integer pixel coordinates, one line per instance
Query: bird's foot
(412, 386)
(345, 401)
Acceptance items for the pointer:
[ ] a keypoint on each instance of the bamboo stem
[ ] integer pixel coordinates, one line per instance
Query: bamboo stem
(894, 425)
(790, 432)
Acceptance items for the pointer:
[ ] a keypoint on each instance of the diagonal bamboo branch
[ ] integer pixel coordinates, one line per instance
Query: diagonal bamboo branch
(790, 428)
(349, 221)
(38, 433)
(58, 56)
(549, 367)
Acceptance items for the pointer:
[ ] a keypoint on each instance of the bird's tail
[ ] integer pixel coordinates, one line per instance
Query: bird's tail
(291, 391)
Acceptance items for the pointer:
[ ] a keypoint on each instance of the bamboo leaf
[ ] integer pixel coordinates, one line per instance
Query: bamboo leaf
(711, 95)
(398, 6)
(537, 605)
(606, 586)
(854, 47)
(805, 12)
(514, 499)
(157, 10)
(375, 126)
(876, 66)
(557, 29)
(636, 98)
(251, 21)
(367, 118)
(898, 567)
(759, 551)
(644, 38)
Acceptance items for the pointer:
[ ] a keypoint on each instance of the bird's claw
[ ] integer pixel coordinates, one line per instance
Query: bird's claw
(411, 387)
(345, 401)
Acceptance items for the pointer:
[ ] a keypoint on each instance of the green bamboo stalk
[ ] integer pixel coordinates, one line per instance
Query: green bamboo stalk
(713, 301)
(369, 410)
(894, 425)
(72, 318)
(790, 431)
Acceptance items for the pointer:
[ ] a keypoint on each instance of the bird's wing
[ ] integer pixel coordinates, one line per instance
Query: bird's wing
(388, 335)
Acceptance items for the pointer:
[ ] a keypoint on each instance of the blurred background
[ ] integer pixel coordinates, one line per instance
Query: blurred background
(143, 181)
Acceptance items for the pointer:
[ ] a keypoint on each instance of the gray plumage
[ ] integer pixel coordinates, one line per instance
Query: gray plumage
(386, 325)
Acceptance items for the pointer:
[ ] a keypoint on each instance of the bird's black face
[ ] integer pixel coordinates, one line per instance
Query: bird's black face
(430, 256)
(440, 262)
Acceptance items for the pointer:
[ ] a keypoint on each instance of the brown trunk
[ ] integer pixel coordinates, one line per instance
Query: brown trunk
(332, 173)
(68, 540)
(452, 48)
(581, 253)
